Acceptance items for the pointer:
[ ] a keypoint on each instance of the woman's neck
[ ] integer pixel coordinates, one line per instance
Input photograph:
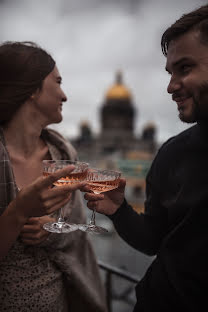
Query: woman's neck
(23, 132)
(23, 138)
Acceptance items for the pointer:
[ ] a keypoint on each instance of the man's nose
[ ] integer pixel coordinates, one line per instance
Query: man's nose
(174, 85)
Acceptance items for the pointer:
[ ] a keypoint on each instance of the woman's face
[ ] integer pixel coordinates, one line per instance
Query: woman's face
(50, 98)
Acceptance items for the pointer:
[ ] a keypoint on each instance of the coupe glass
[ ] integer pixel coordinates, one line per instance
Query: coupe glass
(77, 175)
(99, 181)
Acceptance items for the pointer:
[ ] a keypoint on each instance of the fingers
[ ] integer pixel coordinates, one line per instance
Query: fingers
(122, 184)
(56, 200)
(57, 206)
(93, 197)
(33, 225)
(85, 188)
(56, 203)
(30, 228)
(62, 191)
(92, 205)
(32, 232)
(49, 180)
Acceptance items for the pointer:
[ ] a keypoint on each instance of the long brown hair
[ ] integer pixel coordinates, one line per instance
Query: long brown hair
(23, 67)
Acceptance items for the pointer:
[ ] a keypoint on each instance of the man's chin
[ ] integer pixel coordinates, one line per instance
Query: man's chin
(186, 119)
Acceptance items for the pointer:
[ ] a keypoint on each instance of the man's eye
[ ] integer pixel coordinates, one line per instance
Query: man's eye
(185, 68)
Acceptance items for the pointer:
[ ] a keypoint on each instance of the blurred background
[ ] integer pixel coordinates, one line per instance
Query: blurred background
(118, 111)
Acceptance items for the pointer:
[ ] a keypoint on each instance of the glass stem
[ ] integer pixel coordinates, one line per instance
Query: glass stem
(92, 221)
(61, 216)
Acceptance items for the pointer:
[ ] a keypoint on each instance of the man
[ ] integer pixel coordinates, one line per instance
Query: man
(174, 226)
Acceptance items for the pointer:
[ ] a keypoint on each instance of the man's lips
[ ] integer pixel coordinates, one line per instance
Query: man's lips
(180, 100)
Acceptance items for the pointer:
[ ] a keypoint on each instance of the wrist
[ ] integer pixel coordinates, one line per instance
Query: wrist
(117, 212)
(16, 214)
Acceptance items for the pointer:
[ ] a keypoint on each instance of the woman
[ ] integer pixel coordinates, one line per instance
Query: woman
(39, 271)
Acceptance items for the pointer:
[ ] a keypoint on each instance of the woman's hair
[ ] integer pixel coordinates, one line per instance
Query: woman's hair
(23, 67)
(194, 21)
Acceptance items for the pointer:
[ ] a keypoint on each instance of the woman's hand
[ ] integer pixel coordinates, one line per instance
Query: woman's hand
(106, 203)
(39, 198)
(33, 233)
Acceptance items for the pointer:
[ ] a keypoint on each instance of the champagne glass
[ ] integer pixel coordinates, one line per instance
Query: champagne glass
(77, 175)
(99, 181)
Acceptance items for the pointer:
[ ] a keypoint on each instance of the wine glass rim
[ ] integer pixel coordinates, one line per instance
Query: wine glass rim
(64, 160)
(105, 170)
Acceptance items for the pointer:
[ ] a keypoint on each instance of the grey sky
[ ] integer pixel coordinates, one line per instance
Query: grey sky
(90, 40)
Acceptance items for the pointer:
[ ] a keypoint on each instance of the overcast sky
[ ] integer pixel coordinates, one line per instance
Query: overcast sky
(90, 40)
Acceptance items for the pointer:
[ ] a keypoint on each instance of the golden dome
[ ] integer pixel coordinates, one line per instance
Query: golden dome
(118, 90)
(84, 123)
(149, 125)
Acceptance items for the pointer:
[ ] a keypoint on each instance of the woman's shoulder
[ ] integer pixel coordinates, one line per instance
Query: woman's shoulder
(54, 137)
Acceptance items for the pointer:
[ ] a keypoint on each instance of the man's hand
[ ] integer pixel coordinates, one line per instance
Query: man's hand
(33, 233)
(108, 202)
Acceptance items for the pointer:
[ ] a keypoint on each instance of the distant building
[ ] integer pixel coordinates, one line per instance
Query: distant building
(117, 146)
(117, 118)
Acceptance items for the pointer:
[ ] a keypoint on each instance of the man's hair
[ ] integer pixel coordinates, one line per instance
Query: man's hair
(196, 20)
(23, 67)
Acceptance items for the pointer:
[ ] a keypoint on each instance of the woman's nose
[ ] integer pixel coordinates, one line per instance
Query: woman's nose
(64, 97)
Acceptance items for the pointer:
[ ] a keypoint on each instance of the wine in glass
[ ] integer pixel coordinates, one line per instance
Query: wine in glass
(99, 181)
(77, 175)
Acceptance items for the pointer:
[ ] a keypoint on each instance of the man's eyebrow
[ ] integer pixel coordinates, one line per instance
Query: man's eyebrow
(175, 64)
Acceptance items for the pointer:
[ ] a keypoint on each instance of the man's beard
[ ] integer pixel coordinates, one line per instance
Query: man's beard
(200, 109)
(200, 106)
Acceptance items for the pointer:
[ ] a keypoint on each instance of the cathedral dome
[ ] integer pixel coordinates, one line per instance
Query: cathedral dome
(117, 111)
(118, 90)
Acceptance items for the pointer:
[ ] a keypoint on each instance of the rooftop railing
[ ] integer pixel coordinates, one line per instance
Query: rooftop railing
(111, 293)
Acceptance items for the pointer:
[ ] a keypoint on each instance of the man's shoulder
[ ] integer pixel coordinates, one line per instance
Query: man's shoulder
(173, 149)
(179, 140)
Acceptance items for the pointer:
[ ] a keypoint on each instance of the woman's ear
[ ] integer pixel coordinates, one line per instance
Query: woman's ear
(35, 95)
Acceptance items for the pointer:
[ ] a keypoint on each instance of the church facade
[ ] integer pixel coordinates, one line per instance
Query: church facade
(117, 120)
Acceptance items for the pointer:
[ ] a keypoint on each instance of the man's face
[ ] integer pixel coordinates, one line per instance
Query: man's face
(187, 63)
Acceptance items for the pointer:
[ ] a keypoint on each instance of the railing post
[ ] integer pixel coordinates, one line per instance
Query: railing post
(109, 290)
(110, 271)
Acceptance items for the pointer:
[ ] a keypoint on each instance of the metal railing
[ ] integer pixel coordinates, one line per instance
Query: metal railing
(111, 294)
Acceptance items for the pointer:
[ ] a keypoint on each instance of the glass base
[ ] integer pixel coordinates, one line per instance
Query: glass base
(60, 227)
(91, 228)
